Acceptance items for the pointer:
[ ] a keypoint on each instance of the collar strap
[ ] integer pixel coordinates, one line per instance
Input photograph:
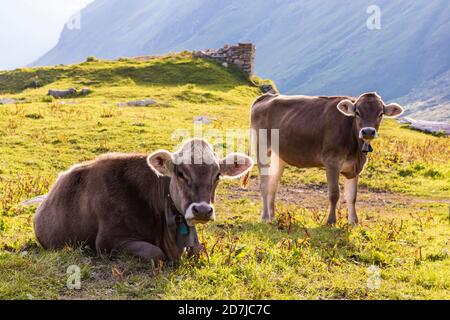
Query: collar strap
(180, 221)
(172, 206)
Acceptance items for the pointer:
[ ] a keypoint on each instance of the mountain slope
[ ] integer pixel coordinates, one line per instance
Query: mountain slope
(431, 100)
(308, 47)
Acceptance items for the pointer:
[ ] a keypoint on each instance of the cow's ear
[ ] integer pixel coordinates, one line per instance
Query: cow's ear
(392, 110)
(346, 107)
(161, 162)
(235, 165)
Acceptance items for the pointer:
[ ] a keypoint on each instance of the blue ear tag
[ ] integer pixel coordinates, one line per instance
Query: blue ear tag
(183, 229)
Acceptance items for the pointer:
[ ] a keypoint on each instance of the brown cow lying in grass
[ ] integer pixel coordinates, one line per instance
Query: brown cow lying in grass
(144, 205)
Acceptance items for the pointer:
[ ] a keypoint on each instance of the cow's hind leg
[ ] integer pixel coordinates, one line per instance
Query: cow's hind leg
(350, 190)
(263, 155)
(333, 191)
(269, 181)
(275, 173)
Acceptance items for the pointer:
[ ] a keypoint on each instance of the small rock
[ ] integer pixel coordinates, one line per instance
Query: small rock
(7, 101)
(267, 88)
(141, 103)
(202, 120)
(85, 91)
(225, 65)
(62, 93)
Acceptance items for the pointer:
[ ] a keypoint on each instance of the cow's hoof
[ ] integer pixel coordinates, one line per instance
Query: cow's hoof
(266, 219)
(331, 222)
(353, 223)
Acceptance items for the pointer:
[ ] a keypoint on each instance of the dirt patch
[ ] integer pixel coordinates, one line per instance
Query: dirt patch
(315, 196)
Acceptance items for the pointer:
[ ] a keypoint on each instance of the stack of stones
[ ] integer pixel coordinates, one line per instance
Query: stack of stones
(242, 55)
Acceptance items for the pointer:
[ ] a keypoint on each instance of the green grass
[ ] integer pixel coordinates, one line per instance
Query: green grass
(403, 210)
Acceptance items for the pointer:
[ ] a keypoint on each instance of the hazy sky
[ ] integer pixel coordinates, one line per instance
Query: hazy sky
(29, 28)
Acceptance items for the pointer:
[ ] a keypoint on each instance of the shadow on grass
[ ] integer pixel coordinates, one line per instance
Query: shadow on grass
(329, 242)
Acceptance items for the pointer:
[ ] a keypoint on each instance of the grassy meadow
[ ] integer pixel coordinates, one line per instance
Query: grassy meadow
(401, 249)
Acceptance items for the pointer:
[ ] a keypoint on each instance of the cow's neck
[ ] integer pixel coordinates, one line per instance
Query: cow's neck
(186, 235)
(179, 235)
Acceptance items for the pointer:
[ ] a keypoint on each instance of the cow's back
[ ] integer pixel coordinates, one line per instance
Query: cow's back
(311, 128)
(63, 218)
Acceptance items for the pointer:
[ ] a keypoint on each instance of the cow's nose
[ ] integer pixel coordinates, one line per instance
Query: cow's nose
(368, 133)
(202, 211)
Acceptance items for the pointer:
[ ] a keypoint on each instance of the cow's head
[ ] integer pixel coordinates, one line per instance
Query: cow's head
(194, 171)
(368, 111)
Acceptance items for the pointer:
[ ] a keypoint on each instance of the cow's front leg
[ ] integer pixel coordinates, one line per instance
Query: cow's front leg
(143, 250)
(350, 190)
(264, 181)
(139, 249)
(333, 191)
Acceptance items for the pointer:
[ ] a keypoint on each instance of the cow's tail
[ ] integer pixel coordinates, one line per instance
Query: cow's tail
(246, 177)
(34, 200)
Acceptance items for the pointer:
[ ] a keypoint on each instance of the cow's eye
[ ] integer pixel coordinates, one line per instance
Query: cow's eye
(218, 177)
(380, 115)
(357, 113)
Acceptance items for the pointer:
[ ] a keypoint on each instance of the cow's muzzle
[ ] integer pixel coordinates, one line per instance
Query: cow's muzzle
(368, 133)
(199, 212)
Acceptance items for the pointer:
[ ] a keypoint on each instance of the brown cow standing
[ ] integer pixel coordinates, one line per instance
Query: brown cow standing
(144, 205)
(329, 132)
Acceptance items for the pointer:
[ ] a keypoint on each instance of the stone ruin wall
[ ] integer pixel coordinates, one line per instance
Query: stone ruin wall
(241, 55)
